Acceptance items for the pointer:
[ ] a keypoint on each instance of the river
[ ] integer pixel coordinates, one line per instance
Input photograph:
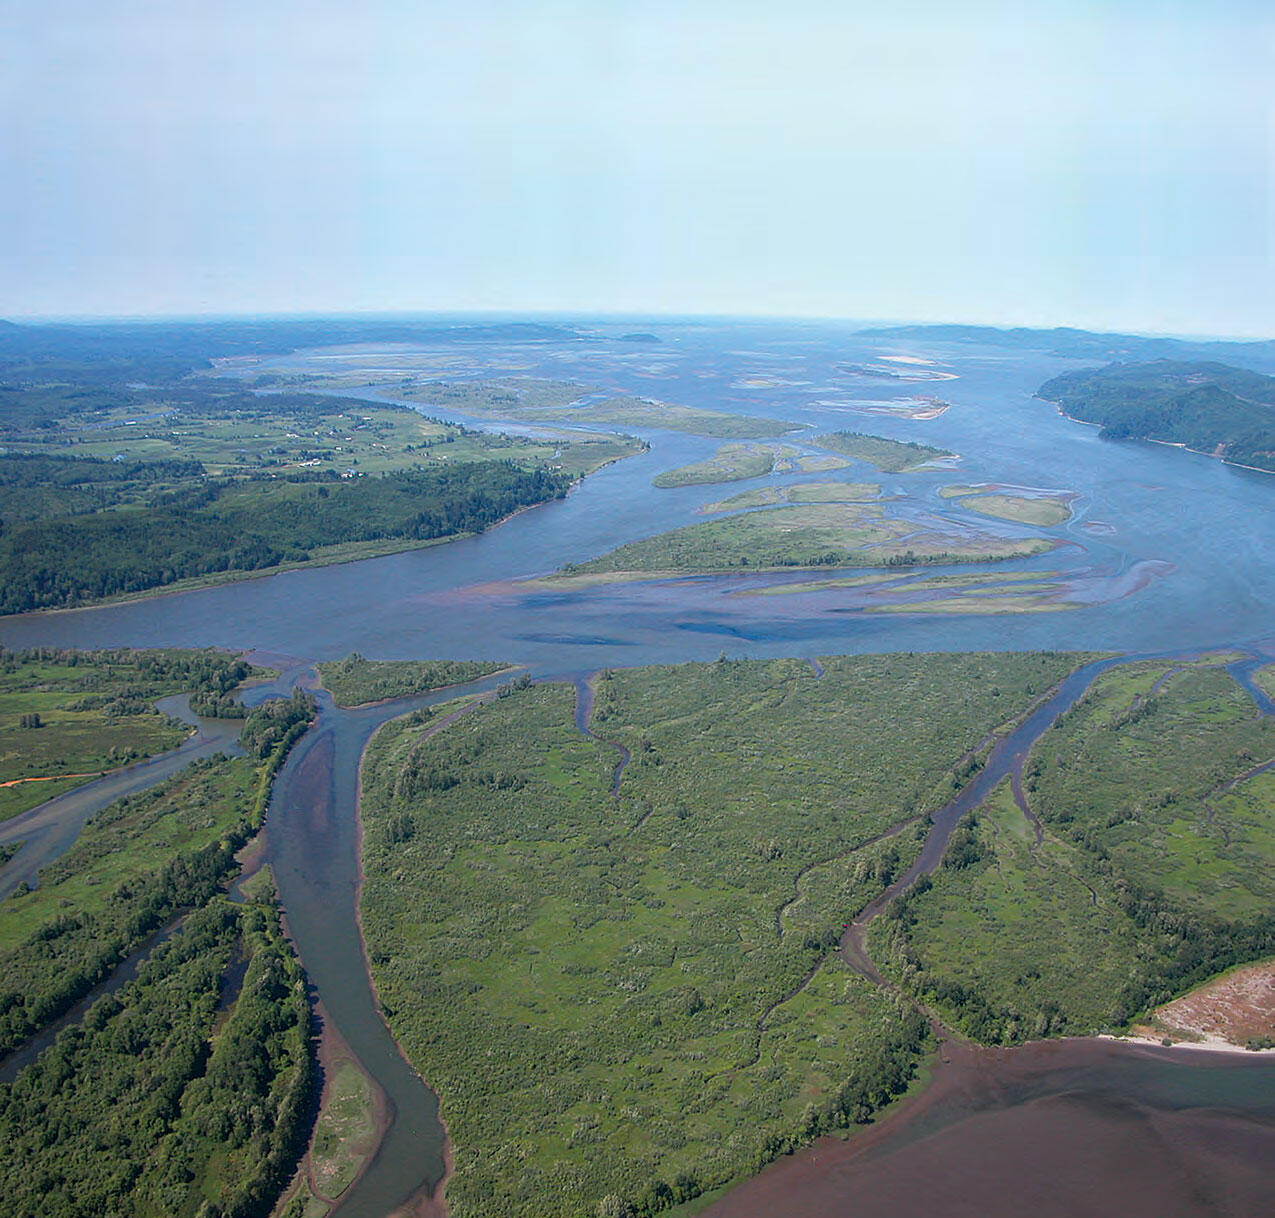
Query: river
(1154, 533)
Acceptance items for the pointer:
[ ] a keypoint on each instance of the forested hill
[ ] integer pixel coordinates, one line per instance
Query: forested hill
(1070, 343)
(1212, 408)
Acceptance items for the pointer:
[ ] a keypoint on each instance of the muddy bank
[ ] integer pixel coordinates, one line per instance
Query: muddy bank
(1061, 1129)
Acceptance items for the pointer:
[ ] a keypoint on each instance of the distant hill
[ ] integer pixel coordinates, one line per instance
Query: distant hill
(110, 353)
(1212, 408)
(1086, 344)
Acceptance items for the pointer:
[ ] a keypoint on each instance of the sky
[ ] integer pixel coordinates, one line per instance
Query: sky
(1107, 165)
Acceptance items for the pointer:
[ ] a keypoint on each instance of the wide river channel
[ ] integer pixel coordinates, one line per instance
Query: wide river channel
(1168, 553)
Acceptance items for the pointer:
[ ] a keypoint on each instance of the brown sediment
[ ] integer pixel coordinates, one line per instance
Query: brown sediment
(250, 857)
(14, 782)
(1228, 1012)
(333, 1051)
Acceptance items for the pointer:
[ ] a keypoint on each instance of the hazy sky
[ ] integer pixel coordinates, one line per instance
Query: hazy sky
(1106, 164)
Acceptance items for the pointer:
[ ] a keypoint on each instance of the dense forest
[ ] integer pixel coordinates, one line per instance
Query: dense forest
(184, 1093)
(251, 525)
(1212, 408)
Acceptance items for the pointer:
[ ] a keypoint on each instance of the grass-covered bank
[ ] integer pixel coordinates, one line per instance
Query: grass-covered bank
(644, 988)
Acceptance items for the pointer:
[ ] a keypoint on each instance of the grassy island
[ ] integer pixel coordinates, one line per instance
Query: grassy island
(1041, 510)
(889, 456)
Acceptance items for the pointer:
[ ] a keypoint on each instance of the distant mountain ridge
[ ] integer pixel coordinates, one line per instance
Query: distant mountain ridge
(1209, 407)
(1071, 343)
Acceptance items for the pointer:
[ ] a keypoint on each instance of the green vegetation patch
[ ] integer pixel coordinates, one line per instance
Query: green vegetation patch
(731, 463)
(1144, 772)
(644, 987)
(79, 713)
(355, 681)
(889, 456)
(346, 1131)
(1012, 939)
(801, 492)
(815, 535)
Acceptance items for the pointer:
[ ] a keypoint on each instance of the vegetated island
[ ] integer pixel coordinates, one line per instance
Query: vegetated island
(355, 681)
(808, 535)
(889, 456)
(735, 462)
(114, 491)
(1209, 408)
(799, 492)
(1043, 510)
(637, 967)
(533, 400)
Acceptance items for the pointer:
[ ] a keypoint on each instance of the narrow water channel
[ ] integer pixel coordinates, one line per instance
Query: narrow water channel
(313, 828)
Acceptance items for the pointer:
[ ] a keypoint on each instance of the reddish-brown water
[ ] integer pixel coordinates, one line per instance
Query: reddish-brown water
(1063, 1129)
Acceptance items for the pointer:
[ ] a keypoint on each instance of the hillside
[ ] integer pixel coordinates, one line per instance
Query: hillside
(1212, 408)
